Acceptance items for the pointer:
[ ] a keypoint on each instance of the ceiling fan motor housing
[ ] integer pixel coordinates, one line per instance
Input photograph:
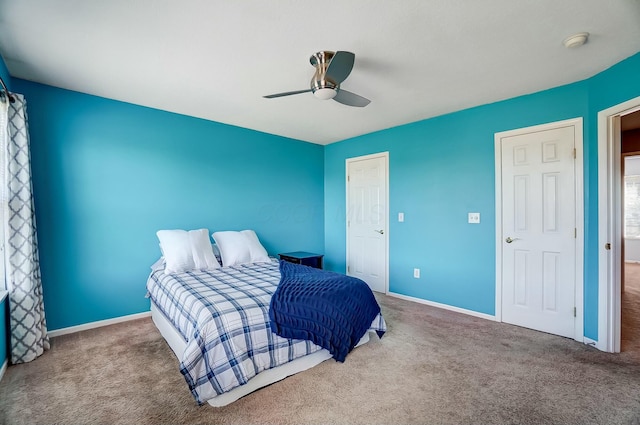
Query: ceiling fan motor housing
(322, 86)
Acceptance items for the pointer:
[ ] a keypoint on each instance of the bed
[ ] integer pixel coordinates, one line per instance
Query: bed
(217, 323)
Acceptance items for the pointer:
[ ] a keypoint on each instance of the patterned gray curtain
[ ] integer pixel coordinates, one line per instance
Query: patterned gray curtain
(22, 264)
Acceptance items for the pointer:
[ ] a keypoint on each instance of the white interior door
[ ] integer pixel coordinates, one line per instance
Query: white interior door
(367, 220)
(539, 230)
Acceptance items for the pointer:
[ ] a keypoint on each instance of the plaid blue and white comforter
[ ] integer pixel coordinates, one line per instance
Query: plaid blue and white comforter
(223, 315)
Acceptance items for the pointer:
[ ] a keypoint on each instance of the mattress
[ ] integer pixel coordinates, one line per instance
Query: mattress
(222, 316)
(267, 377)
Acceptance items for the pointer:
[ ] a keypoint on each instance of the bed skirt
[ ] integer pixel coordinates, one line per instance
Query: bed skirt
(264, 378)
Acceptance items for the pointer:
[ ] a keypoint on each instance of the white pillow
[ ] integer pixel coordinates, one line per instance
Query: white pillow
(216, 253)
(240, 247)
(258, 253)
(187, 250)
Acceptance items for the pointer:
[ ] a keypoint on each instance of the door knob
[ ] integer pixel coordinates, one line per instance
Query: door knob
(510, 239)
(380, 231)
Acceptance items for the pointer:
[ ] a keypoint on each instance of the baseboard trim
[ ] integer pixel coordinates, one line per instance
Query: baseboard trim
(3, 369)
(444, 306)
(593, 343)
(98, 324)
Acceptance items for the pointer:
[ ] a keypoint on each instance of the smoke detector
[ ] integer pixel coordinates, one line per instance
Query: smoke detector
(576, 40)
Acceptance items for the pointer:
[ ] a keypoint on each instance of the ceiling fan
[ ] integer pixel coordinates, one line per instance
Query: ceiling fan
(332, 68)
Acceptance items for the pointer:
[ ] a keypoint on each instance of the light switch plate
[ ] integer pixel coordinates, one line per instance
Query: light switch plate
(474, 218)
(400, 217)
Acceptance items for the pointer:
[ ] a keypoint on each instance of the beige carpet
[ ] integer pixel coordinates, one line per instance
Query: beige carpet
(630, 331)
(433, 366)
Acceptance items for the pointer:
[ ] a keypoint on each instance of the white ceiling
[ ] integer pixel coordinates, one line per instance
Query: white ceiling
(215, 59)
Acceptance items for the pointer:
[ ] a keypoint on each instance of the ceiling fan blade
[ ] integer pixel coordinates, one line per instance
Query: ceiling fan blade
(340, 66)
(288, 93)
(351, 99)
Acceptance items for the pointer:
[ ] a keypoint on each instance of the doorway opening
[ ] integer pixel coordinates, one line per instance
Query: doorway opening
(618, 306)
(630, 267)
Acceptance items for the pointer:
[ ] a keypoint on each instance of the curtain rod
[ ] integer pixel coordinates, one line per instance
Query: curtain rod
(6, 90)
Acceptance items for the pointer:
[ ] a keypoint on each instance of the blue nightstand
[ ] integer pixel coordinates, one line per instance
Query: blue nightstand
(305, 258)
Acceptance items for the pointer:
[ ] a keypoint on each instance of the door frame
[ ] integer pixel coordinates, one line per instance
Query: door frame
(385, 156)
(610, 224)
(577, 124)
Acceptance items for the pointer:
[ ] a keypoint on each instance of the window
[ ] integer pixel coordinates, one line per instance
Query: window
(632, 206)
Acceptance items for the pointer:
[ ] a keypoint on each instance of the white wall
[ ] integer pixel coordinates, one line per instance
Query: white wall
(632, 246)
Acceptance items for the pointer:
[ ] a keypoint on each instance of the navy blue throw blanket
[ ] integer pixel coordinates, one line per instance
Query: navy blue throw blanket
(329, 309)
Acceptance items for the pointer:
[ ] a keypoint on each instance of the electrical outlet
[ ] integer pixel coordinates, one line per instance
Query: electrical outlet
(416, 273)
(474, 218)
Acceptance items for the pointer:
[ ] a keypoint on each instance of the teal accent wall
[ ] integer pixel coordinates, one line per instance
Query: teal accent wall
(444, 167)
(611, 87)
(107, 175)
(4, 73)
(441, 169)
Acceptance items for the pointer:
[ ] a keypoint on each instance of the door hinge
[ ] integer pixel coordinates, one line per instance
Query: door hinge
(575, 232)
(348, 269)
(574, 153)
(348, 178)
(575, 312)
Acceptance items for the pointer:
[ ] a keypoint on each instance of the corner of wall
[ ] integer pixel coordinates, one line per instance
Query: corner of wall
(4, 72)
